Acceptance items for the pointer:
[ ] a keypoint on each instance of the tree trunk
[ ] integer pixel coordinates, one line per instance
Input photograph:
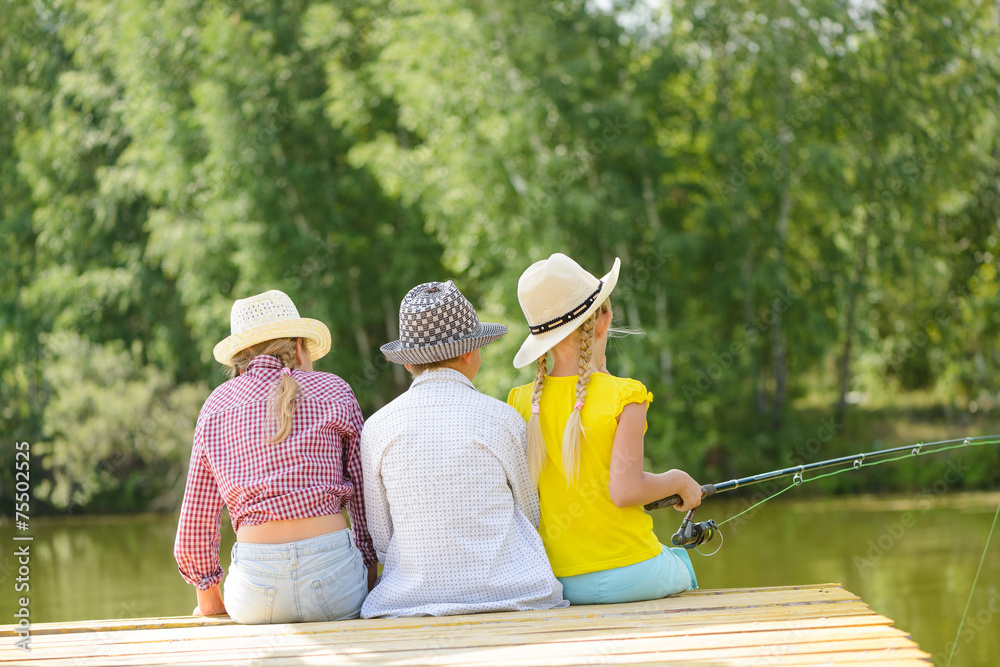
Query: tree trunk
(659, 288)
(779, 352)
(632, 316)
(844, 366)
(358, 325)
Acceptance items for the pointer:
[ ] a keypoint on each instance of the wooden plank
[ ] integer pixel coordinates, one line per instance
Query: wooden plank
(196, 652)
(590, 628)
(806, 654)
(849, 650)
(690, 623)
(523, 637)
(886, 658)
(812, 653)
(114, 625)
(387, 641)
(776, 626)
(727, 598)
(560, 642)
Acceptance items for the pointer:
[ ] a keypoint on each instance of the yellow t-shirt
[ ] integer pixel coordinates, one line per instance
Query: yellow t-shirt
(582, 529)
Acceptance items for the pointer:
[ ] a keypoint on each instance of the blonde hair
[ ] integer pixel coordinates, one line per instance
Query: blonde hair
(536, 442)
(417, 369)
(573, 432)
(284, 393)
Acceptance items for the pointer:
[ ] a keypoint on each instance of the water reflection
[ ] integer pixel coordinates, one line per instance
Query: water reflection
(91, 567)
(913, 561)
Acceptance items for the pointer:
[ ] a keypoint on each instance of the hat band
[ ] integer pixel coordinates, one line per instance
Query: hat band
(570, 316)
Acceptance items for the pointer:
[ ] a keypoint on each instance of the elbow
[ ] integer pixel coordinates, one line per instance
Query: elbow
(621, 497)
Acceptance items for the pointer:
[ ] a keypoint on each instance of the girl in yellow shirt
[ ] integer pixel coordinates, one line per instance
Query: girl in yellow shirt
(585, 446)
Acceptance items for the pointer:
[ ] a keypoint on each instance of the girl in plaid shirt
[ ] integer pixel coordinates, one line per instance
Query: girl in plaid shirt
(278, 444)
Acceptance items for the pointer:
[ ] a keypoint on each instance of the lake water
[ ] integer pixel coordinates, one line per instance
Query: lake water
(912, 559)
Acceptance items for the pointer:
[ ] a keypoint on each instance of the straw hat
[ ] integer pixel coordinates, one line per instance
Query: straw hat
(268, 316)
(557, 295)
(436, 323)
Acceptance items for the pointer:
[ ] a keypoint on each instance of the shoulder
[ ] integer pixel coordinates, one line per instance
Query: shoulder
(222, 397)
(484, 411)
(615, 383)
(383, 414)
(500, 410)
(386, 422)
(499, 418)
(619, 391)
(627, 384)
(324, 386)
(519, 396)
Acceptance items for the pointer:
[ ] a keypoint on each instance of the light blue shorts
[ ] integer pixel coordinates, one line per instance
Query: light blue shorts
(668, 573)
(319, 579)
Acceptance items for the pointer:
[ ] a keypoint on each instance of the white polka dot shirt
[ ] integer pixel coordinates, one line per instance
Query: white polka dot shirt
(450, 505)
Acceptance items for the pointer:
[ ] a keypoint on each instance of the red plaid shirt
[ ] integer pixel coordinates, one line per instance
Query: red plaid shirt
(313, 472)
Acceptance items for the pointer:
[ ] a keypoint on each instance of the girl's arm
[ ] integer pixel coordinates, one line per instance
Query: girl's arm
(628, 484)
(354, 469)
(196, 547)
(210, 603)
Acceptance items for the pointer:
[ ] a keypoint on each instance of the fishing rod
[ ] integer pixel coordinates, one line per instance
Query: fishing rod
(692, 534)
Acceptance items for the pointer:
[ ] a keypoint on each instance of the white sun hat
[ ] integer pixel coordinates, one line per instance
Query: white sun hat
(557, 295)
(267, 316)
(436, 322)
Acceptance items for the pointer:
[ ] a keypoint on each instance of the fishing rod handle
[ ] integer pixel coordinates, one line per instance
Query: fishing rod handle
(706, 490)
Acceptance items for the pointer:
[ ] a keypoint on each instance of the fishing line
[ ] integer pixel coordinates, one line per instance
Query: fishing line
(755, 505)
(722, 540)
(975, 581)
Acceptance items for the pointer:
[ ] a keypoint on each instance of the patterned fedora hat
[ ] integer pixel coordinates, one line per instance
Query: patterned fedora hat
(436, 323)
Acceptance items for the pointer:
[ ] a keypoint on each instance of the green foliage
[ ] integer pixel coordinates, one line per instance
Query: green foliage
(116, 429)
(804, 197)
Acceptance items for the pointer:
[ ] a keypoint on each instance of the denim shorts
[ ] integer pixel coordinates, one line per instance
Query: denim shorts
(665, 574)
(319, 579)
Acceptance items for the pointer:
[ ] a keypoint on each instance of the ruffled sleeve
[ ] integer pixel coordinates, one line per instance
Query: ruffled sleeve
(520, 399)
(631, 391)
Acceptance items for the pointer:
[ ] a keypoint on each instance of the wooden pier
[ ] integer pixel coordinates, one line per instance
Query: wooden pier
(788, 625)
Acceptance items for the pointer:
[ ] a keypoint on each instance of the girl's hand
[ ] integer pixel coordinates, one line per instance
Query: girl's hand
(689, 491)
(210, 603)
(221, 611)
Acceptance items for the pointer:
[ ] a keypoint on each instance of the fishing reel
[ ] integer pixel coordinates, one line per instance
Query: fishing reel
(692, 534)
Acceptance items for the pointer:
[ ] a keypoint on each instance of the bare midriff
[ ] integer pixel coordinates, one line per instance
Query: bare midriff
(292, 530)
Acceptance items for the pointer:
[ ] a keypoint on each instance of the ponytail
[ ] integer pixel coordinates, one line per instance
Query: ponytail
(536, 442)
(285, 391)
(283, 397)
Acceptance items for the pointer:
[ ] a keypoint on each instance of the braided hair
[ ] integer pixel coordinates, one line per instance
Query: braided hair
(536, 442)
(573, 433)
